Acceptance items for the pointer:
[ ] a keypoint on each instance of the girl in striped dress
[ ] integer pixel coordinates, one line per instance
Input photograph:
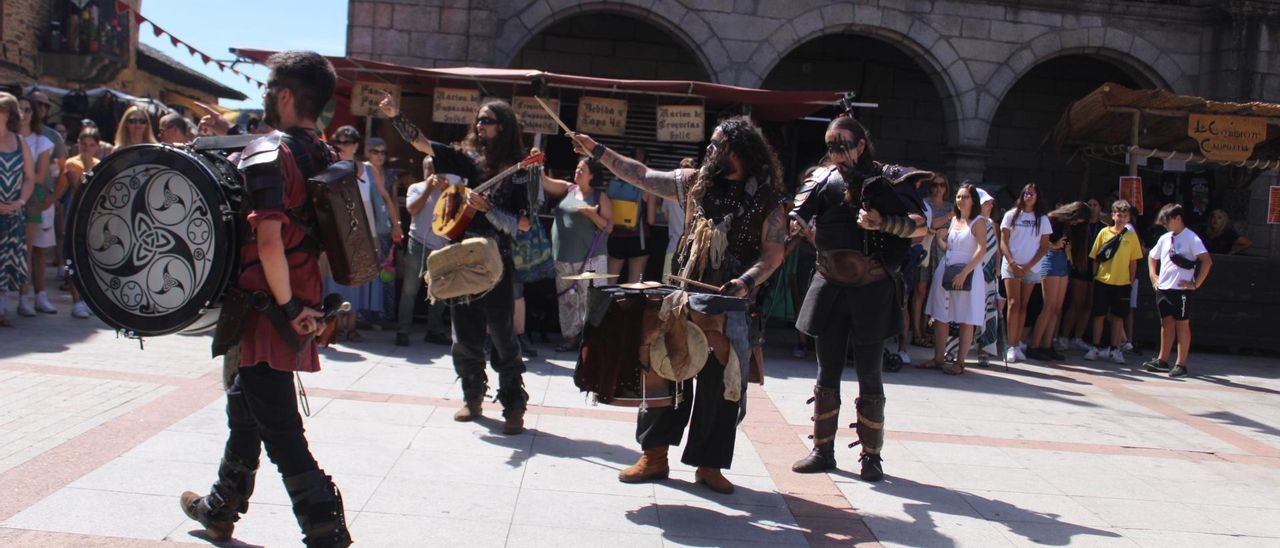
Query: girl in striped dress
(17, 181)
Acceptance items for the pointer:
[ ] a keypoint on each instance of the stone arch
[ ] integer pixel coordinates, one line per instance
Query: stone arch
(1116, 46)
(913, 36)
(685, 26)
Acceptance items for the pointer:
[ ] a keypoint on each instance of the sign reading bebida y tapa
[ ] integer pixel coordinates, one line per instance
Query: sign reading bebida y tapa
(681, 123)
(1226, 138)
(599, 116)
(365, 97)
(455, 106)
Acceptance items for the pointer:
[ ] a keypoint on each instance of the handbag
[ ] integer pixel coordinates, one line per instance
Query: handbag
(532, 254)
(949, 274)
(463, 271)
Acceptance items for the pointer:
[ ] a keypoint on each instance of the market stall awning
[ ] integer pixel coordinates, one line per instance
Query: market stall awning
(766, 104)
(1117, 120)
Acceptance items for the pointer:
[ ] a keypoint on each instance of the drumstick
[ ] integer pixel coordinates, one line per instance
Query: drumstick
(544, 106)
(696, 284)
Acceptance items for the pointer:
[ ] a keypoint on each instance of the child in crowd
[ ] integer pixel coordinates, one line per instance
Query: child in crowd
(1178, 265)
(1116, 253)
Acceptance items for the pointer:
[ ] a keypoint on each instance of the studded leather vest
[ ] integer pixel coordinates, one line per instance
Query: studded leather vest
(746, 205)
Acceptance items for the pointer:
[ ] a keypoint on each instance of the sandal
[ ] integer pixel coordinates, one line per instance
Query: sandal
(922, 341)
(932, 363)
(953, 369)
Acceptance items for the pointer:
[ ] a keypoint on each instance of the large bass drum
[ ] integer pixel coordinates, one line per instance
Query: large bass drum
(154, 238)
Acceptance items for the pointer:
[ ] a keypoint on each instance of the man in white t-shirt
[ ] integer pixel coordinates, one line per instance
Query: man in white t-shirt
(1178, 265)
(421, 202)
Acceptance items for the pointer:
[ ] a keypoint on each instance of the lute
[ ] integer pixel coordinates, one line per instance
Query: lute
(453, 215)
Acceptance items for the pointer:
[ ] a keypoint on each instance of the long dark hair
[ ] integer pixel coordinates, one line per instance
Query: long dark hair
(1021, 202)
(975, 206)
(866, 162)
(1075, 216)
(506, 149)
(1072, 213)
(759, 160)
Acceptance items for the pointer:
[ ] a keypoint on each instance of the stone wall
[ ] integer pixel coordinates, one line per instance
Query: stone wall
(20, 24)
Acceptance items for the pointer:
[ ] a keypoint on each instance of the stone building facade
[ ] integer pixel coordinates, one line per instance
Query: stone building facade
(969, 87)
(20, 21)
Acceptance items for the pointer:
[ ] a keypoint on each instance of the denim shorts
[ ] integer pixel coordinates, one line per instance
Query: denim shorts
(1032, 277)
(1054, 263)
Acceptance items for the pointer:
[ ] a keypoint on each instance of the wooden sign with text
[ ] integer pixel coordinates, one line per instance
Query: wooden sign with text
(532, 118)
(365, 97)
(681, 123)
(599, 116)
(455, 106)
(1273, 208)
(1226, 138)
(1131, 191)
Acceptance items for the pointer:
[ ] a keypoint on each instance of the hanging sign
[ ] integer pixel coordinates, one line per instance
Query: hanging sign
(681, 123)
(455, 106)
(1226, 138)
(365, 97)
(599, 116)
(532, 118)
(1273, 207)
(1131, 191)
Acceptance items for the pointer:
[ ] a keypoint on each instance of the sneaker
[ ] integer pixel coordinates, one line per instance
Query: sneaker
(798, 352)
(437, 337)
(1178, 371)
(402, 339)
(905, 357)
(1060, 344)
(1011, 355)
(1022, 352)
(80, 310)
(1156, 365)
(1117, 355)
(1055, 355)
(43, 305)
(25, 306)
(1126, 347)
(1036, 354)
(1080, 345)
(1022, 347)
(1094, 353)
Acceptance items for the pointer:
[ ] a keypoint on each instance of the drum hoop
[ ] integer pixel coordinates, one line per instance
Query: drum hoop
(200, 170)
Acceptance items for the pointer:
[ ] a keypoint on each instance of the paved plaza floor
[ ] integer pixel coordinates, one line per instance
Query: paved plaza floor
(98, 438)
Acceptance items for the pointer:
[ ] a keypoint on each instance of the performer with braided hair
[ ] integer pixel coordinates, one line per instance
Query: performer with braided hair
(735, 229)
(865, 214)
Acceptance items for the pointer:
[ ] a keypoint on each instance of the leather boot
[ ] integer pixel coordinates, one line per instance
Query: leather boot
(713, 478)
(471, 410)
(651, 466)
(514, 400)
(218, 511)
(826, 413)
(870, 429)
(317, 504)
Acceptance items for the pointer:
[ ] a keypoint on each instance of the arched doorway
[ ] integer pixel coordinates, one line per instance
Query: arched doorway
(909, 126)
(1018, 143)
(611, 45)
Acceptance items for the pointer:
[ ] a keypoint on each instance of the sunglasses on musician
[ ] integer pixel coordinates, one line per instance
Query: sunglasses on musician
(839, 147)
(486, 121)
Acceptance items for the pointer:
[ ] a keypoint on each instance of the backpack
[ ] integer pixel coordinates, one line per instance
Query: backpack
(627, 201)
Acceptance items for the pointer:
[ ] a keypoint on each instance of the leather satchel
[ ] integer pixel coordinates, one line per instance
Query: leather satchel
(342, 226)
(465, 270)
(949, 274)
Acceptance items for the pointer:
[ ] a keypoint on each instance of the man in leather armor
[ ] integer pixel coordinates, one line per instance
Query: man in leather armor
(493, 145)
(864, 214)
(280, 265)
(736, 199)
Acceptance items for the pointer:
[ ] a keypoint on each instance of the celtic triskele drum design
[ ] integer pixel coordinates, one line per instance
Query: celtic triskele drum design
(153, 236)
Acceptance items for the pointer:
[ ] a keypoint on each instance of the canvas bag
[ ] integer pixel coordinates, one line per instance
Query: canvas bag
(465, 270)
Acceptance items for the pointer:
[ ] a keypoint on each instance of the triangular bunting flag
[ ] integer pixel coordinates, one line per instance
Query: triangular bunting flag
(191, 49)
(156, 29)
(121, 7)
(174, 40)
(205, 58)
(222, 67)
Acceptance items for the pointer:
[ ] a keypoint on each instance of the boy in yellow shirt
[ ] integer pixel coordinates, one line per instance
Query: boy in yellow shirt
(1115, 263)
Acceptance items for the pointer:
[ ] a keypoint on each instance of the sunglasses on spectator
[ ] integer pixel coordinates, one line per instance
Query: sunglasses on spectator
(1029, 193)
(137, 121)
(486, 121)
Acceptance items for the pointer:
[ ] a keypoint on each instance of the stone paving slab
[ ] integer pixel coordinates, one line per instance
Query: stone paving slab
(1075, 453)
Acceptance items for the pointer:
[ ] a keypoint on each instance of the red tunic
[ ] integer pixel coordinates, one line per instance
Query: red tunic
(261, 342)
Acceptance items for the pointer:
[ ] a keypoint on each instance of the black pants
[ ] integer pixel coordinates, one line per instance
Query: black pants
(712, 420)
(490, 320)
(262, 410)
(835, 315)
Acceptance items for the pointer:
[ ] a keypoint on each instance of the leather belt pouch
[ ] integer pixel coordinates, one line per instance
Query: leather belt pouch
(849, 267)
(231, 316)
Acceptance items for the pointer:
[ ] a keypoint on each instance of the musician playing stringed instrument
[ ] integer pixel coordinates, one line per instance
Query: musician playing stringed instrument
(492, 147)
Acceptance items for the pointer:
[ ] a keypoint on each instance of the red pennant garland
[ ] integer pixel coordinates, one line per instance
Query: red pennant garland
(174, 40)
(205, 58)
(138, 19)
(156, 29)
(121, 7)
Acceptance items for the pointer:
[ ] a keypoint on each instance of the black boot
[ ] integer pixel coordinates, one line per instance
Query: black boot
(318, 506)
(227, 499)
(514, 400)
(826, 413)
(870, 429)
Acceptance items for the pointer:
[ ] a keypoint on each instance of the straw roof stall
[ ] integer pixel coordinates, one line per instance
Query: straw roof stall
(1114, 120)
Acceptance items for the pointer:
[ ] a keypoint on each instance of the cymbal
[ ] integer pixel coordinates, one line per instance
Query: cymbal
(589, 276)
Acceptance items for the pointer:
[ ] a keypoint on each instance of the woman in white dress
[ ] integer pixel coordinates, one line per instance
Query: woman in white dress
(965, 245)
